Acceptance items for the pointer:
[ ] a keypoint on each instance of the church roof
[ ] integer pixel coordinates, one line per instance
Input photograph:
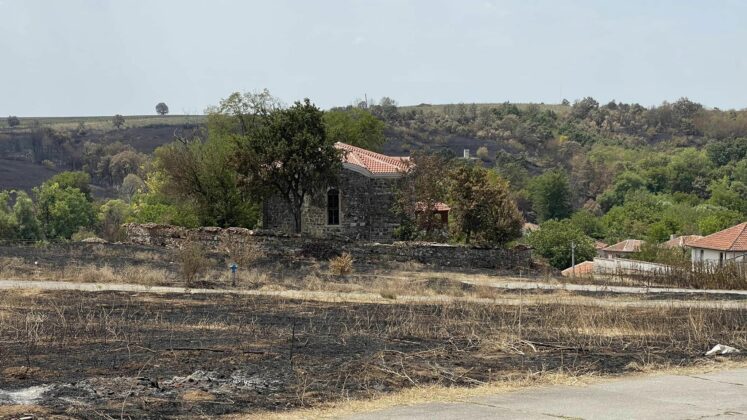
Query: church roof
(375, 163)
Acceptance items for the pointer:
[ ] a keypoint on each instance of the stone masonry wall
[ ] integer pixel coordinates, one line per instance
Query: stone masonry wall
(365, 211)
(290, 246)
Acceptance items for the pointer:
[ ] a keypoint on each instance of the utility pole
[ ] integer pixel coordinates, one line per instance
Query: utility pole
(573, 259)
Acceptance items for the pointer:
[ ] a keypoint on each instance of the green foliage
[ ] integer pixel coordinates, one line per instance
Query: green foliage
(8, 226)
(28, 227)
(201, 174)
(728, 150)
(288, 154)
(118, 121)
(482, 210)
(591, 225)
(553, 241)
(62, 210)
(78, 180)
(162, 108)
(730, 195)
(551, 195)
(416, 196)
(111, 215)
(355, 126)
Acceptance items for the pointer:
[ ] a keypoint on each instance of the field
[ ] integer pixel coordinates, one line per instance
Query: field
(102, 123)
(304, 339)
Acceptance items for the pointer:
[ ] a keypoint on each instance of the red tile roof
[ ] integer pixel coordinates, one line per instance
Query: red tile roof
(373, 162)
(582, 269)
(731, 239)
(628, 245)
(680, 241)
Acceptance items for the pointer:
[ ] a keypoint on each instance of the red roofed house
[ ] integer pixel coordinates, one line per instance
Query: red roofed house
(728, 245)
(622, 249)
(358, 207)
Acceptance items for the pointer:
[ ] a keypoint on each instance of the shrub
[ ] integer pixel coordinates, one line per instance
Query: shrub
(246, 254)
(482, 153)
(192, 262)
(342, 265)
(48, 164)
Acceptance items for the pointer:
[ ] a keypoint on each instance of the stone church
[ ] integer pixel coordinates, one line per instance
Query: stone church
(358, 207)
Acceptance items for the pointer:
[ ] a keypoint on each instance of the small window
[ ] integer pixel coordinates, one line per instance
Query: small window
(333, 207)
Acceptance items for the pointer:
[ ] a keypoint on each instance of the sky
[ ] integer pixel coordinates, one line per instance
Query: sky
(103, 57)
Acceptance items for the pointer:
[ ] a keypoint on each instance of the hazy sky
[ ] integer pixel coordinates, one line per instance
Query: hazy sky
(98, 57)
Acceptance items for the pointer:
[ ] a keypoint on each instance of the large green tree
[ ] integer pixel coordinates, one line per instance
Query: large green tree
(551, 195)
(199, 172)
(355, 126)
(288, 154)
(62, 210)
(482, 209)
(554, 238)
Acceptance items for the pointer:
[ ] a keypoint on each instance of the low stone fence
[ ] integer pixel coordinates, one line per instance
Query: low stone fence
(279, 246)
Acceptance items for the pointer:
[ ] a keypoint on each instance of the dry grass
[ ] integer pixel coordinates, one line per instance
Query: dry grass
(341, 265)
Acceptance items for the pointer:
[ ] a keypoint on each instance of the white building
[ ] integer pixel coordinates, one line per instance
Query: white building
(726, 246)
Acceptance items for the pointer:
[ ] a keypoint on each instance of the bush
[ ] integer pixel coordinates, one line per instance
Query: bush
(192, 262)
(342, 265)
(48, 164)
(482, 153)
(245, 255)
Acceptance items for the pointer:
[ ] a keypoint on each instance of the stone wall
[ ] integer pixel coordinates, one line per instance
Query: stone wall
(291, 246)
(365, 210)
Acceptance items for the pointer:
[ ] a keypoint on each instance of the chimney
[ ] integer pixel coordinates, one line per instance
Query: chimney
(466, 153)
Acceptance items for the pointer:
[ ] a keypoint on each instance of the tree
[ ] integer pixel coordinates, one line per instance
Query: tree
(162, 108)
(551, 195)
(355, 126)
(288, 154)
(110, 217)
(27, 224)
(591, 225)
(13, 121)
(62, 210)
(417, 193)
(201, 173)
(553, 241)
(78, 180)
(131, 185)
(118, 121)
(8, 228)
(482, 208)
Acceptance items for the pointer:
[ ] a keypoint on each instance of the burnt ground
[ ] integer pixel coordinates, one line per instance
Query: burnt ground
(114, 354)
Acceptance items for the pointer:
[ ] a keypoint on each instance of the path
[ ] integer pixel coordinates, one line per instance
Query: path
(327, 296)
(654, 397)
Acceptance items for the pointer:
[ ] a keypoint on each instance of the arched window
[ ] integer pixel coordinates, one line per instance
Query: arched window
(333, 207)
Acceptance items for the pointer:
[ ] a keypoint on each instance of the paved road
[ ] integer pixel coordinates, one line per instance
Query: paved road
(719, 394)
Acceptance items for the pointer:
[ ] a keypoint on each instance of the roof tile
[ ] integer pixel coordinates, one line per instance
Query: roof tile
(376, 163)
(731, 239)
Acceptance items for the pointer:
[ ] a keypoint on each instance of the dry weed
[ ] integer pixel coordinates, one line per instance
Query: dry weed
(342, 265)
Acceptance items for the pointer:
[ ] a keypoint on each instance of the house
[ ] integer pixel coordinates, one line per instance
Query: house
(582, 269)
(359, 206)
(680, 242)
(599, 246)
(728, 245)
(622, 249)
